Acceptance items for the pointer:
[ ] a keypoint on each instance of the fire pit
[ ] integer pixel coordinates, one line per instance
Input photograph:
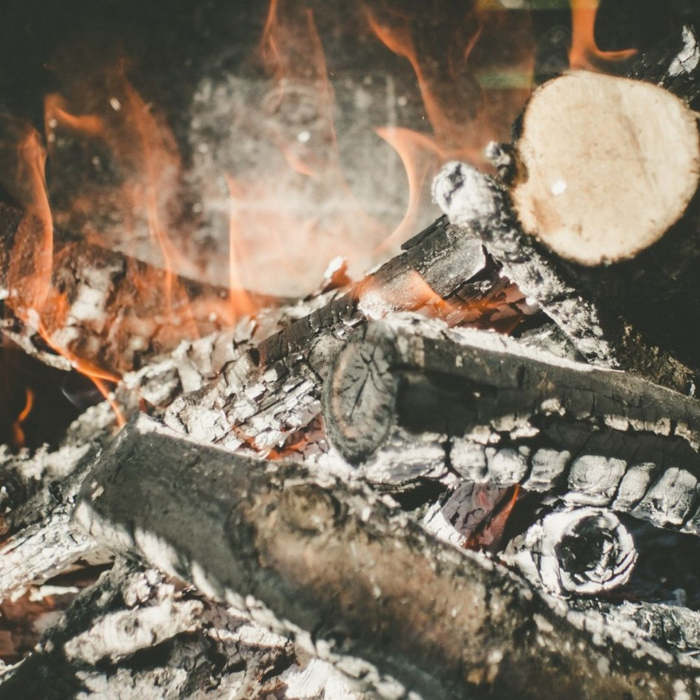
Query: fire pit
(349, 352)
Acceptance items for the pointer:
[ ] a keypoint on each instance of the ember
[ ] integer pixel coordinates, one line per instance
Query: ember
(345, 359)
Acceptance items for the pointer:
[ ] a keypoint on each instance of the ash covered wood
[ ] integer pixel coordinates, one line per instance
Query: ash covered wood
(236, 527)
(112, 311)
(494, 411)
(134, 629)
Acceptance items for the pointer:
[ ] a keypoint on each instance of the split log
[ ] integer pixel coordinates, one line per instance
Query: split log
(112, 311)
(326, 557)
(497, 412)
(439, 263)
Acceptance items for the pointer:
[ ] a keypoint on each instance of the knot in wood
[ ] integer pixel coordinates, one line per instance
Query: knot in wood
(309, 508)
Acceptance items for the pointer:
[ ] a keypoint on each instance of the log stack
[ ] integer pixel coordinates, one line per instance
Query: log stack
(562, 454)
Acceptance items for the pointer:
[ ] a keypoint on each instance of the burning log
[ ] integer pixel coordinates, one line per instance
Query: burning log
(493, 411)
(440, 264)
(576, 552)
(113, 310)
(617, 313)
(322, 555)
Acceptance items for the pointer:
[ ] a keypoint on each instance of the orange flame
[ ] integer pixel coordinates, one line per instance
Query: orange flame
(421, 158)
(239, 299)
(17, 430)
(584, 52)
(31, 260)
(410, 292)
(32, 295)
(463, 116)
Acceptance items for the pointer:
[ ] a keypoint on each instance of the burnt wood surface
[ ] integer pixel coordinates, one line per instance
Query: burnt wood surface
(443, 257)
(500, 413)
(332, 559)
(118, 310)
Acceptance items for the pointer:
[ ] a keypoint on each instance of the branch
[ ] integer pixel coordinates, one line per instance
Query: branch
(334, 561)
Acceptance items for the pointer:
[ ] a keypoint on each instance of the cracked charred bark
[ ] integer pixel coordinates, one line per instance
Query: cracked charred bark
(494, 411)
(331, 560)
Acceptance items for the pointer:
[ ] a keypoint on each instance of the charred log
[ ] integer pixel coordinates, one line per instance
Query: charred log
(236, 527)
(136, 629)
(494, 412)
(478, 203)
(441, 261)
(111, 311)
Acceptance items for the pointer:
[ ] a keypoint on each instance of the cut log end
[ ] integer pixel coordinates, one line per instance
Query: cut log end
(608, 166)
(358, 399)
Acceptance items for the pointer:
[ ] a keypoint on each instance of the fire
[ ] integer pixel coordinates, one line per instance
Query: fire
(584, 52)
(240, 300)
(17, 430)
(283, 218)
(411, 292)
(463, 115)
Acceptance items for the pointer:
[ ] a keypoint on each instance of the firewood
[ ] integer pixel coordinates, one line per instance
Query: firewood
(119, 310)
(496, 412)
(630, 314)
(580, 551)
(441, 258)
(592, 320)
(322, 555)
(608, 166)
(105, 643)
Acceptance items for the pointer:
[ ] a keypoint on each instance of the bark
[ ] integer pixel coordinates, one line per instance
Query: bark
(135, 632)
(494, 411)
(110, 311)
(331, 559)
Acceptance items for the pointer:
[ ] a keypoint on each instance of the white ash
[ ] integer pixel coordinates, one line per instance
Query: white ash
(669, 500)
(394, 464)
(633, 486)
(593, 479)
(545, 557)
(318, 680)
(463, 193)
(689, 56)
(547, 466)
(468, 459)
(506, 466)
(121, 634)
(42, 551)
(435, 523)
